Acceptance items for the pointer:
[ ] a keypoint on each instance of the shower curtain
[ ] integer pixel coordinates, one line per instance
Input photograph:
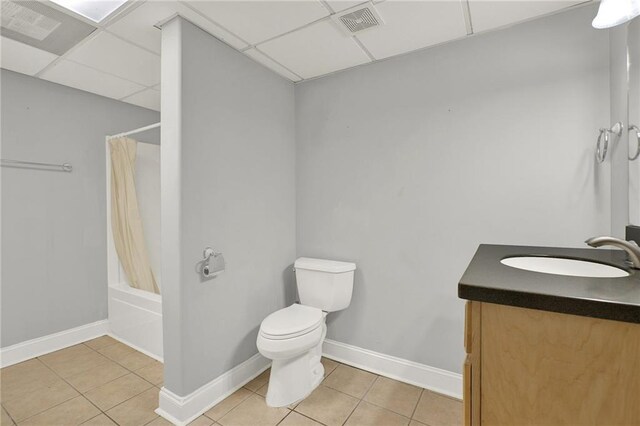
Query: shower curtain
(126, 224)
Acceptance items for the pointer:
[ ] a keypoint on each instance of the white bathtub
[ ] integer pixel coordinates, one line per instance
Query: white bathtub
(135, 317)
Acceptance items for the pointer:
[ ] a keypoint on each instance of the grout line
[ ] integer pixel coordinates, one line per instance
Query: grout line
(418, 403)
(83, 394)
(370, 386)
(288, 414)
(5, 410)
(64, 380)
(352, 411)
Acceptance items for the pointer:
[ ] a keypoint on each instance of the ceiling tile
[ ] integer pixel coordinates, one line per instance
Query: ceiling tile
(138, 26)
(23, 58)
(486, 14)
(256, 21)
(411, 25)
(340, 5)
(148, 98)
(315, 50)
(271, 64)
(108, 53)
(84, 78)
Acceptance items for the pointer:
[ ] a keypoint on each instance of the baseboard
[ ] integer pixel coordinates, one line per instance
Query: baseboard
(180, 410)
(435, 379)
(43, 345)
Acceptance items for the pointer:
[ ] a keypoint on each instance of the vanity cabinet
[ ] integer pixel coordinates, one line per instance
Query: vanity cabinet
(528, 366)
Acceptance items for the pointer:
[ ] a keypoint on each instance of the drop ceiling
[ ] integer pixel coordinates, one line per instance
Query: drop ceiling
(296, 39)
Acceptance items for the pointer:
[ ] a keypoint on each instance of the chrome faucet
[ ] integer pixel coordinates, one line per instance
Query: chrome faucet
(631, 247)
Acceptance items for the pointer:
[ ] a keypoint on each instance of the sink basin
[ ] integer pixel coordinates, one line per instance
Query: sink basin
(562, 266)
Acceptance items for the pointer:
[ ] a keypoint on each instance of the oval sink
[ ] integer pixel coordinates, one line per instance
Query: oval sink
(561, 266)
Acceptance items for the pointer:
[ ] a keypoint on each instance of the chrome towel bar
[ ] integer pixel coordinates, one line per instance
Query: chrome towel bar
(65, 167)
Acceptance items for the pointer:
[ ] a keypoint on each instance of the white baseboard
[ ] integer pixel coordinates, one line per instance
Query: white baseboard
(43, 345)
(180, 410)
(435, 379)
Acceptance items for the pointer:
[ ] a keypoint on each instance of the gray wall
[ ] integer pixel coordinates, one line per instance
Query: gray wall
(233, 157)
(405, 166)
(54, 260)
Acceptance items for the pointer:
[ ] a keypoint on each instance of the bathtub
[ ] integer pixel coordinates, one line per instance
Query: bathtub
(135, 318)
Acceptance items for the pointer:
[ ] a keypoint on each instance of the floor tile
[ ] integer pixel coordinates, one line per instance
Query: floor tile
(394, 395)
(73, 361)
(73, 412)
(97, 376)
(135, 361)
(414, 422)
(227, 404)
(436, 409)
(350, 380)
(370, 415)
(117, 391)
(259, 381)
(117, 351)
(263, 390)
(253, 411)
(329, 365)
(23, 378)
(296, 419)
(153, 373)
(327, 406)
(99, 420)
(159, 421)
(202, 421)
(6, 419)
(138, 410)
(100, 342)
(39, 400)
(65, 354)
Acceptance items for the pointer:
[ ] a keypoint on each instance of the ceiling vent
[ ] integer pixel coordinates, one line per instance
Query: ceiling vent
(358, 19)
(38, 25)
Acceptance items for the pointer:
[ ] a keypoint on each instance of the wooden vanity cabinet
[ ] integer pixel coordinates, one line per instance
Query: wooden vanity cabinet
(532, 367)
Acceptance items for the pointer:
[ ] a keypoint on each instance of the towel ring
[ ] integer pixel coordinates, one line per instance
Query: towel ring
(601, 151)
(637, 131)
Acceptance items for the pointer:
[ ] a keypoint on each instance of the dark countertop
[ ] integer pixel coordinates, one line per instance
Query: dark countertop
(488, 280)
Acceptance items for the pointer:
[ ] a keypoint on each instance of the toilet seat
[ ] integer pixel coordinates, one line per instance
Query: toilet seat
(291, 322)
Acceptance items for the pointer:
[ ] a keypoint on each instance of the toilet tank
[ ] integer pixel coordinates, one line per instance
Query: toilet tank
(324, 284)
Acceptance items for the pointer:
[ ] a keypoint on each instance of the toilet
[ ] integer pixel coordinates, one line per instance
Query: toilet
(292, 337)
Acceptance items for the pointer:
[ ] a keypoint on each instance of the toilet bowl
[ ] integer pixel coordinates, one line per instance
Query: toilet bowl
(292, 337)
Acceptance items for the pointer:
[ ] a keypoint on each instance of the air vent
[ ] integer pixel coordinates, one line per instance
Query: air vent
(38, 25)
(358, 19)
(26, 21)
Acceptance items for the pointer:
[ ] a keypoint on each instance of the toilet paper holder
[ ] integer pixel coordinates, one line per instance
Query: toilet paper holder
(212, 264)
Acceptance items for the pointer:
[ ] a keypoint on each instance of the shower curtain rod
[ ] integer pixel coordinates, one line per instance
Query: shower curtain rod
(134, 131)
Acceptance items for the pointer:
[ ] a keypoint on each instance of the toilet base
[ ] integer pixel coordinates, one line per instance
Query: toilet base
(294, 379)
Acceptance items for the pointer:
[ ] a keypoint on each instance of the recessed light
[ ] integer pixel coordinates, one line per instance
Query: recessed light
(96, 10)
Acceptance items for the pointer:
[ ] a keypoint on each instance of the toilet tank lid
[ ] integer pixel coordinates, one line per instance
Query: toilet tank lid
(332, 266)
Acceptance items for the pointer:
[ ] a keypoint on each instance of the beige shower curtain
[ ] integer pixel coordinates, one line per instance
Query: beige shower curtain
(126, 224)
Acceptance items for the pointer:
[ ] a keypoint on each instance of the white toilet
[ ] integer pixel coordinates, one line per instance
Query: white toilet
(292, 337)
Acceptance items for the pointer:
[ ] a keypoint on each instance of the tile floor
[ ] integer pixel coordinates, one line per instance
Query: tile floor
(104, 382)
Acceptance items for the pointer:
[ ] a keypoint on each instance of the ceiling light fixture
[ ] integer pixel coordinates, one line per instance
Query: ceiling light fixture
(616, 12)
(96, 10)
